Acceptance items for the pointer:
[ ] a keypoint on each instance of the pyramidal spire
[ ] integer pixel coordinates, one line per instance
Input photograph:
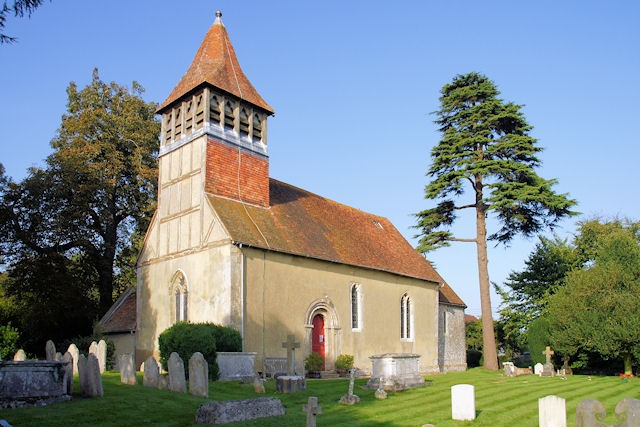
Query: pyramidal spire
(216, 64)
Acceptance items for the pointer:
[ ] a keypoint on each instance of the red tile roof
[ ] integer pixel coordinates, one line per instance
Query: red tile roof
(121, 317)
(468, 318)
(216, 63)
(448, 296)
(302, 223)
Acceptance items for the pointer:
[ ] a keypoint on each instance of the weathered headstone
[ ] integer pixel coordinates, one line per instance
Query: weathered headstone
(290, 384)
(537, 369)
(177, 380)
(128, 369)
(89, 373)
(463, 402)
(238, 410)
(68, 371)
(258, 385)
(312, 409)
(380, 393)
(509, 369)
(102, 355)
(20, 356)
(590, 413)
(163, 382)
(151, 373)
(93, 348)
(548, 370)
(75, 353)
(291, 346)
(82, 373)
(552, 412)
(50, 350)
(350, 398)
(198, 375)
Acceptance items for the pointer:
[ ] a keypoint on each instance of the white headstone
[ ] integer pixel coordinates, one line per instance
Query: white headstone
(177, 380)
(509, 369)
(75, 353)
(198, 375)
(50, 350)
(463, 402)
(151, 372)
(93, 348)
(20, 356)
(128, 369)
(102, 355)
(552, 412)
(537, 369)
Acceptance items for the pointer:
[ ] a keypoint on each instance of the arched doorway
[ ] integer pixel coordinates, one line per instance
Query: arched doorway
(318, 337)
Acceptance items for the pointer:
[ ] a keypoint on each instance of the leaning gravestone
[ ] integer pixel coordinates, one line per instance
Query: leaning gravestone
(128, 369)
(50, 350)
(75, 353)
(239, 410)
(90, 379)
(151, 373)
(463, 403)
(350, 398)
(20, 356)
(102, 355)
(552, 412)
(198, 375)
(177, 380)
(68, 371)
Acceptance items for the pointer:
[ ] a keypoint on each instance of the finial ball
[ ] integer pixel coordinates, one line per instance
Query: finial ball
(218, 14)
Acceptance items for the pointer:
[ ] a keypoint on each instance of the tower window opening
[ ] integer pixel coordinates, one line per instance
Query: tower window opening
(244, 122)
(214, 110)
(200, 112)
(229, 116)
(188, 123)
(257, 127)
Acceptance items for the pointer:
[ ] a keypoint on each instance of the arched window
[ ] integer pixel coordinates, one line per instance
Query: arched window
(229, 116)
(356, 307)
(214, 109)
(180, 297)
(406, 318)
(257, 127)
(244, 122)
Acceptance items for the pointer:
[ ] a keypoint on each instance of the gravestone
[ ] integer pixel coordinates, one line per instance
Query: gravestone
(350, 398)
(239, 410)
(50, 350)
(258, 385)
(463, 402)
(93, 348)
(68, 371)
(127, 369)
(177, 380)
(547, 370)
(20, 356)
(102, 355)
(89, 373)
(290, 384)
(163, 382)
(291, 346)
(590, 412)
(380, 393)
(538, 368)
(198, 375)
(552, 412)
(82, 372)
(509, 369)
(151, 373)
(75, 353)
(312, 409)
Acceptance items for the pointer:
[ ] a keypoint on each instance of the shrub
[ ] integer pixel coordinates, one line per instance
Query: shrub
(187, 338)
(9, 337)
(473, 358)
(344, 362)
(313, 362)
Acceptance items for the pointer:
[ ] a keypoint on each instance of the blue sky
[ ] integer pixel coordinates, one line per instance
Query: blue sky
(353, 85)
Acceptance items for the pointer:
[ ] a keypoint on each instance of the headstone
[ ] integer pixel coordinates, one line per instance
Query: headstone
(151, 373)
(350, 398)
(509, 369)
(20, 356)
(177, 380)
(90, 379)
(82, 373)
(258, 385)
(290, 384)
(127, 369)
(291, 346)
(628, 409)
(198, 375)
(590, 413)
(75, 353)
(163, 382)
(537, 369)
(239, 410)
(236, 366)
(463, 402)
(547, 370)
(102, 355)
(552, 412)
(312, 409)
(50, 350)
(93, 348)
(58, 356)
(380, 393)
(68, 371)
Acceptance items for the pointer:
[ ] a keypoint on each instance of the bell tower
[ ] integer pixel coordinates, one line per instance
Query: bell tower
(215, 109)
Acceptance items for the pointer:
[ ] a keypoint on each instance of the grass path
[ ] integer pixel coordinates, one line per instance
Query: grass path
(500, 401)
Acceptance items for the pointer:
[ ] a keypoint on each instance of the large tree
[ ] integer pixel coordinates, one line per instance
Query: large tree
(486, 149)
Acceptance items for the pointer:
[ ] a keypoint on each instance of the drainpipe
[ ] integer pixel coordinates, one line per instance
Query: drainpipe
(242, 294)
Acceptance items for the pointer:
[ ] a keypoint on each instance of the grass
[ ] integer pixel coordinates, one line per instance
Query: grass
(500, 401)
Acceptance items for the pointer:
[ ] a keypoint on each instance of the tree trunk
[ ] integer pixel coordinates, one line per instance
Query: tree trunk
(489, 351)
(628, 368)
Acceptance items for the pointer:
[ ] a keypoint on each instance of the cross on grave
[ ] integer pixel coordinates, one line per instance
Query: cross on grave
(548, 352)
(312, 409)
(291, 346)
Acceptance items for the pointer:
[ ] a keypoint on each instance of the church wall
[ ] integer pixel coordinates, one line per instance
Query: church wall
(282, 291)
(451, 339)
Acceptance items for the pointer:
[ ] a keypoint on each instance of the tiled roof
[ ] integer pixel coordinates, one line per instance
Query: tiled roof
(121, 317)
(468, 318)
(448, 296)
(302, 223)
(216, 63)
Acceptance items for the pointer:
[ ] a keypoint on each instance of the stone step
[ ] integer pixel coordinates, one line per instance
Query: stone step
(329, 375)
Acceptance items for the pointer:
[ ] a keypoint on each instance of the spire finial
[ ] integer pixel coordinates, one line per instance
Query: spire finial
(218, 14)
(218, 20)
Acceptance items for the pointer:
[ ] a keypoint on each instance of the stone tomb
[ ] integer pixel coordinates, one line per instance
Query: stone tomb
(463, 402)
(398, 370)
(33, 382)
(552, 412)
(236, 366)
(239, 410)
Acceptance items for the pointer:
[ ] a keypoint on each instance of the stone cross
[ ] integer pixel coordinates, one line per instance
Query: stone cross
(352, 378)
(350, 398)
(548, 352)
(312, 409)
(291, 346)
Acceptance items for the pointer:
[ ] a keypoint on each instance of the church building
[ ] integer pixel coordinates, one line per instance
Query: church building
(230, 245)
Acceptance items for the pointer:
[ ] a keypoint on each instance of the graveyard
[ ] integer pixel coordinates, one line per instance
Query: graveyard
(499, 401)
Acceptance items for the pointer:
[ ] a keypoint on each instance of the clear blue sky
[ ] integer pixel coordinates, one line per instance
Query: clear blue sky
(353, 84)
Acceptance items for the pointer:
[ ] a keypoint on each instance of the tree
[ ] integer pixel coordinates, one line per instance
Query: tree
(597, 309)
(486, 147)
(19, 8)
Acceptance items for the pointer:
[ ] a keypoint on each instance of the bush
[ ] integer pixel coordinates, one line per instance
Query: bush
(473, 358)
(344, 362)
(9, 337)
(313, 362)
(187, 338)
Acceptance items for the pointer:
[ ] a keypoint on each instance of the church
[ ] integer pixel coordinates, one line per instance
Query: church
(230, 245)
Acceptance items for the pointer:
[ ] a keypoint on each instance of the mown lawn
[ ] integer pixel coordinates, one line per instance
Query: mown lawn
(500, 401)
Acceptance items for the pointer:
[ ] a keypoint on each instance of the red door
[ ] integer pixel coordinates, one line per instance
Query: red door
(318, 337)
